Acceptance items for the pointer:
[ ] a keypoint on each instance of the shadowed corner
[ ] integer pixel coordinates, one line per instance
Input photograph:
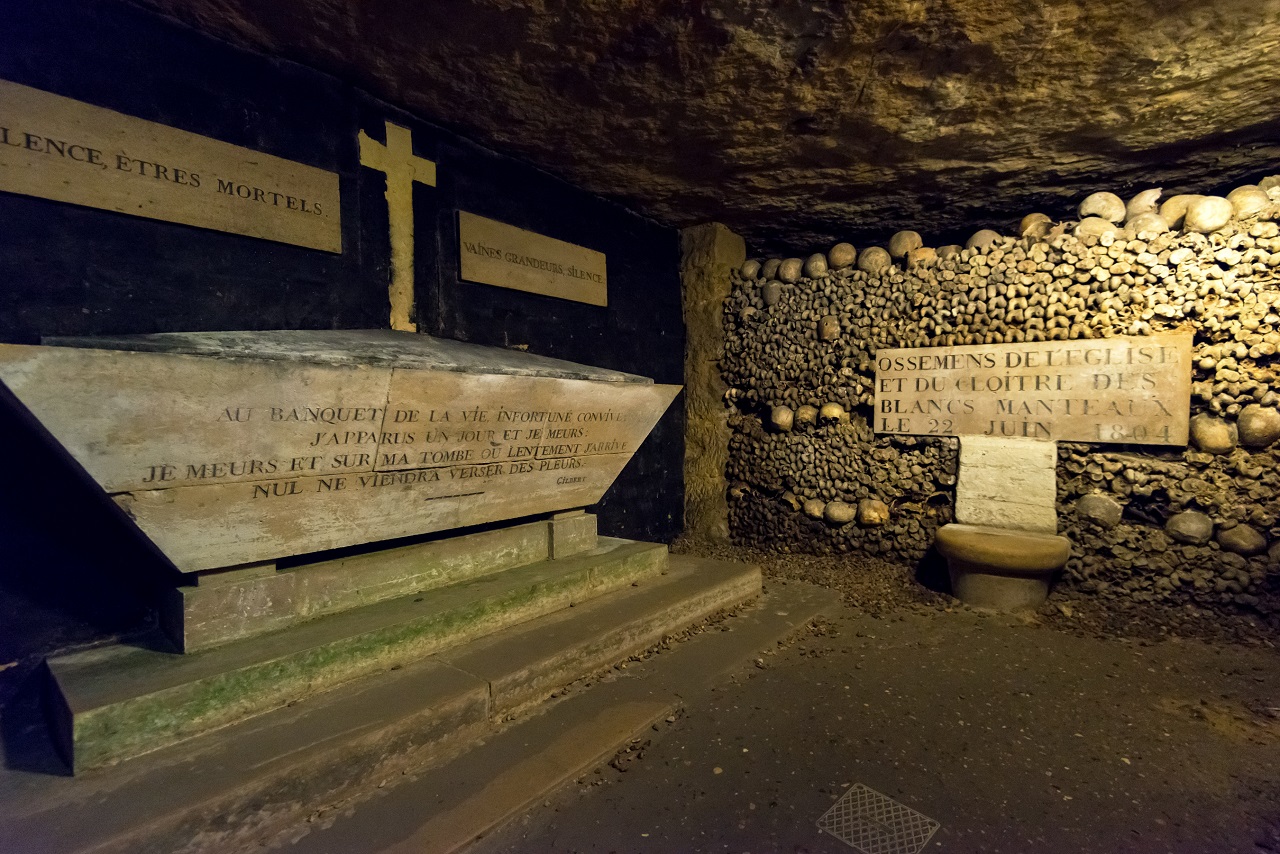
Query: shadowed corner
(26, 724)
(931, 572)
(72, 576)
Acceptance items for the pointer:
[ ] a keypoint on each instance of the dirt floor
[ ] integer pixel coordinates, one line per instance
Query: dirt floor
(878, 586)
(1082, 728)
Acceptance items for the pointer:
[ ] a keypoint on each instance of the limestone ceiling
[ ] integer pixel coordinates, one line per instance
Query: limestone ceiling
(801, 123)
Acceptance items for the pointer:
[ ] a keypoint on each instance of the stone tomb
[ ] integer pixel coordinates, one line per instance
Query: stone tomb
(233, 451)
(238, 448)
(230, 451)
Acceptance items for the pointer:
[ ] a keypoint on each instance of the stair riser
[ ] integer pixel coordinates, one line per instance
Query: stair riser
(533, 685)
(201, 617)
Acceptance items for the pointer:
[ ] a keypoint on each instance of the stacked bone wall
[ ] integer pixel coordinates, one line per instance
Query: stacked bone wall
(1200, 525)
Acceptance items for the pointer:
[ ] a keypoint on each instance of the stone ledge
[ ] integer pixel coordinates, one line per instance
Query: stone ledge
(118, 702)
(213, 612)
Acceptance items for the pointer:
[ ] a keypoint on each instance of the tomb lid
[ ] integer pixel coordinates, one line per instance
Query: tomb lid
(351, 347)
(237, 448)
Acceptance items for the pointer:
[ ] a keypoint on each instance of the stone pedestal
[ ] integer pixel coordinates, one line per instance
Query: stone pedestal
(117, 702)
(302, 484)
(1003, 551)
(1000, 569)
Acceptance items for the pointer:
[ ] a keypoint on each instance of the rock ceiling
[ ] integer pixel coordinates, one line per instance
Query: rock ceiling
(802, 123)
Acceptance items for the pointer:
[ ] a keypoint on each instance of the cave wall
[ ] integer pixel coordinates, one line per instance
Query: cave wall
(800, 124)
(1166, 525)
(711, 253)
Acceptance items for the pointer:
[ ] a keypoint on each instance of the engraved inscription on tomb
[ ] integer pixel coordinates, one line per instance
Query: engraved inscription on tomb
(224, 462)
(1114, 390)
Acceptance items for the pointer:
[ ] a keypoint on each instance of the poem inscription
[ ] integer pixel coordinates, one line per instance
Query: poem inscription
(1115, 390)
(224, 462)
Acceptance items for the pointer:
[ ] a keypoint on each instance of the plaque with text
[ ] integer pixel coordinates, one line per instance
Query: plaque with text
(231, 460)
(494, 253)
(69, 151)
(1132, 390)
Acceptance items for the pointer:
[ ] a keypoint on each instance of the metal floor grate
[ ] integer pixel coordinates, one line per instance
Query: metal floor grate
(877, 824)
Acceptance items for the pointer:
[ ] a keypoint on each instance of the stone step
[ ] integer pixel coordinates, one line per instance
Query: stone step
(256, 782)
(113, 703)
(448, 807)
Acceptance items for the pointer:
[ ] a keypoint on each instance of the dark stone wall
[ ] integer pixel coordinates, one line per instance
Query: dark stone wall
(77, 271)
(72, 572)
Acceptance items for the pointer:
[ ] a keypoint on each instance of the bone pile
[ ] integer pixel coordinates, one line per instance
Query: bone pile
(806, 474)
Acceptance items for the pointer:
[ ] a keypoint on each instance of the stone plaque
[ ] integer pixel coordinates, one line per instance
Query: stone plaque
(1125, 390)
(494, 253)
(61, 149)
(288, 443)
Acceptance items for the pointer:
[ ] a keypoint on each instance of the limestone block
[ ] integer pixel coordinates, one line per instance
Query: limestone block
(249, 601)
(571, 533)
(1007, 483)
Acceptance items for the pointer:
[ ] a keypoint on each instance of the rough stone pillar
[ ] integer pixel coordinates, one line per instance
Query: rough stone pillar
(709, 254)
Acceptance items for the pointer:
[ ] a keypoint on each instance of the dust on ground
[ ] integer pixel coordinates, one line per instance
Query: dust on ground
(877, 586)
(1013, 737)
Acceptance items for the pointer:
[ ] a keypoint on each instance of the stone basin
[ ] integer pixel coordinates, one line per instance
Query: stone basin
(1000, 568)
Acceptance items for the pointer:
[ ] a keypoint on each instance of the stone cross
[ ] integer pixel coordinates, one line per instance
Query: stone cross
(397, 160)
